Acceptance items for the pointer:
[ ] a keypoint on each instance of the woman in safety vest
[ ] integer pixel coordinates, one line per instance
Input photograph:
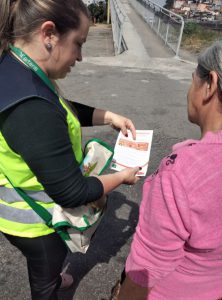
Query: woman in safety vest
(40, 136)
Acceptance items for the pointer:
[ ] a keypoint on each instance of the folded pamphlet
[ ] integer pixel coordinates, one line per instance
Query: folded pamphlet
(133, 153)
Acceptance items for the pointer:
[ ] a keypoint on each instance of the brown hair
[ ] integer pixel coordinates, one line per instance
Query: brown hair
(21, 18)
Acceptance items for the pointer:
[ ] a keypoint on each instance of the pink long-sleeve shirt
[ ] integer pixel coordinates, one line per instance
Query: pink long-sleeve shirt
(177, 246)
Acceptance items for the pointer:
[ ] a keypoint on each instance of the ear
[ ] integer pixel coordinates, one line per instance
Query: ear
(48, 33)
(211, 85)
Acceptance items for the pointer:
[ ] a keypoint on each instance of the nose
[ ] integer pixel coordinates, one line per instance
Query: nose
(79, 57)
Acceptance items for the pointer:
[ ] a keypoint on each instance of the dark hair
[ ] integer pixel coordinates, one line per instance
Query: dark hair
(21, 18)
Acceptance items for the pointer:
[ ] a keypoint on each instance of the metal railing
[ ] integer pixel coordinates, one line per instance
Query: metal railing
(168, 25)
(118, 18)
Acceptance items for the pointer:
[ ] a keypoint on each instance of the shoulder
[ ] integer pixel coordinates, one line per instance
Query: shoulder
(30, 113)
(180, 160)
(35, 106)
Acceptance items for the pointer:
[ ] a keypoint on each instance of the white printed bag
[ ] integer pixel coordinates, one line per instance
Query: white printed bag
(77, 225)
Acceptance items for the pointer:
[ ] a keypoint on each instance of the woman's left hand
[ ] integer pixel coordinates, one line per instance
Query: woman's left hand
(121, 123)
(103, 117)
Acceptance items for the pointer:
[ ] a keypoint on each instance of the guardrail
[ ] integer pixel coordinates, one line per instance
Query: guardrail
(168, 25)
(118, 18)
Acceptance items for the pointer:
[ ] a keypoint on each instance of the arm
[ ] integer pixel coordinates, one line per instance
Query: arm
(112, 181)
(84, 113)
(164, 226)
(132, 291)
(90, 116)
(38, 131)
(42, 139)
(105, 117)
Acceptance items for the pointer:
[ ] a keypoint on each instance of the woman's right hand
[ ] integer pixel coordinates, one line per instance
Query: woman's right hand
(113, 180)
(129, 175)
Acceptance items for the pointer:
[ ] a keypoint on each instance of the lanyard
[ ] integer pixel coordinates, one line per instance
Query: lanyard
(33, 66)
(38, 71)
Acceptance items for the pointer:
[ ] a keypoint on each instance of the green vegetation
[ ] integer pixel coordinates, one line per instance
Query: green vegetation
(169, 4)
(98, 11)
(196, 37)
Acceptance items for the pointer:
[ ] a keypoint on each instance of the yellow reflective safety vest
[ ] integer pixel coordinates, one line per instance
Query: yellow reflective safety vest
(16, 216)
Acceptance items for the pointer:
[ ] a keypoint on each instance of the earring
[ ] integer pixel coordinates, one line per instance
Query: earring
(48, 46)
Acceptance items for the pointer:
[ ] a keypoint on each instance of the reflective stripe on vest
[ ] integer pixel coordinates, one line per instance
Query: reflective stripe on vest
(14, 218)
(10, 195)
(21, 215)
(24, 230)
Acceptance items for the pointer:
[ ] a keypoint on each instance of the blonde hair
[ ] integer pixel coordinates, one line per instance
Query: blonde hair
(21, 18)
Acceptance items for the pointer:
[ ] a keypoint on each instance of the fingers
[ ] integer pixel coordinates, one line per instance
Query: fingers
(128, 125)
(137, 176)
(136, 169)
(123, 124)
(131, 177)
(132, 128)
(123, 128)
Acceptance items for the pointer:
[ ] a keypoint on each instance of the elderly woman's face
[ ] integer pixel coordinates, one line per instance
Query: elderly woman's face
(194, 98)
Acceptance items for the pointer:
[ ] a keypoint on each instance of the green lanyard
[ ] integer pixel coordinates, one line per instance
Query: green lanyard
(33, 66)
(38, 71)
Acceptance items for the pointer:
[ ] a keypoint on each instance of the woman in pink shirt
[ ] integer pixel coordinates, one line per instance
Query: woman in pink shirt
(176, 251)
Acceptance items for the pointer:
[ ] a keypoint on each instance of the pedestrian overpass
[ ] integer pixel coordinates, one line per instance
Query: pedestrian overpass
(164, 23)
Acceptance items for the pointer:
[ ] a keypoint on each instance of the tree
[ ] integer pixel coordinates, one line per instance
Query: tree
(169, 4)
(97, 11)
(92, 8)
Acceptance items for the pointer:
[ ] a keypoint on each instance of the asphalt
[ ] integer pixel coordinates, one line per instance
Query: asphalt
(147, 84)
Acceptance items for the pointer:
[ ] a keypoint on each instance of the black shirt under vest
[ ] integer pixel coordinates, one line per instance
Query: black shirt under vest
(34, 125)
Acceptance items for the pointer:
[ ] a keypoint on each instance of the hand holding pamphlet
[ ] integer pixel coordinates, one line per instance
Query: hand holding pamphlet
(133, 153)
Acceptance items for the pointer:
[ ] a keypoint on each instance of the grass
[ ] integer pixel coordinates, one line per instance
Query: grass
(196, 37)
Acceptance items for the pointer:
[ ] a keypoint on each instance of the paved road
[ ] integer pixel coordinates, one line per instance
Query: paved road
(151, 91)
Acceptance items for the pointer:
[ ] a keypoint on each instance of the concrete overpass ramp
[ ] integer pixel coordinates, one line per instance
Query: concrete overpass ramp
(143, 44)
